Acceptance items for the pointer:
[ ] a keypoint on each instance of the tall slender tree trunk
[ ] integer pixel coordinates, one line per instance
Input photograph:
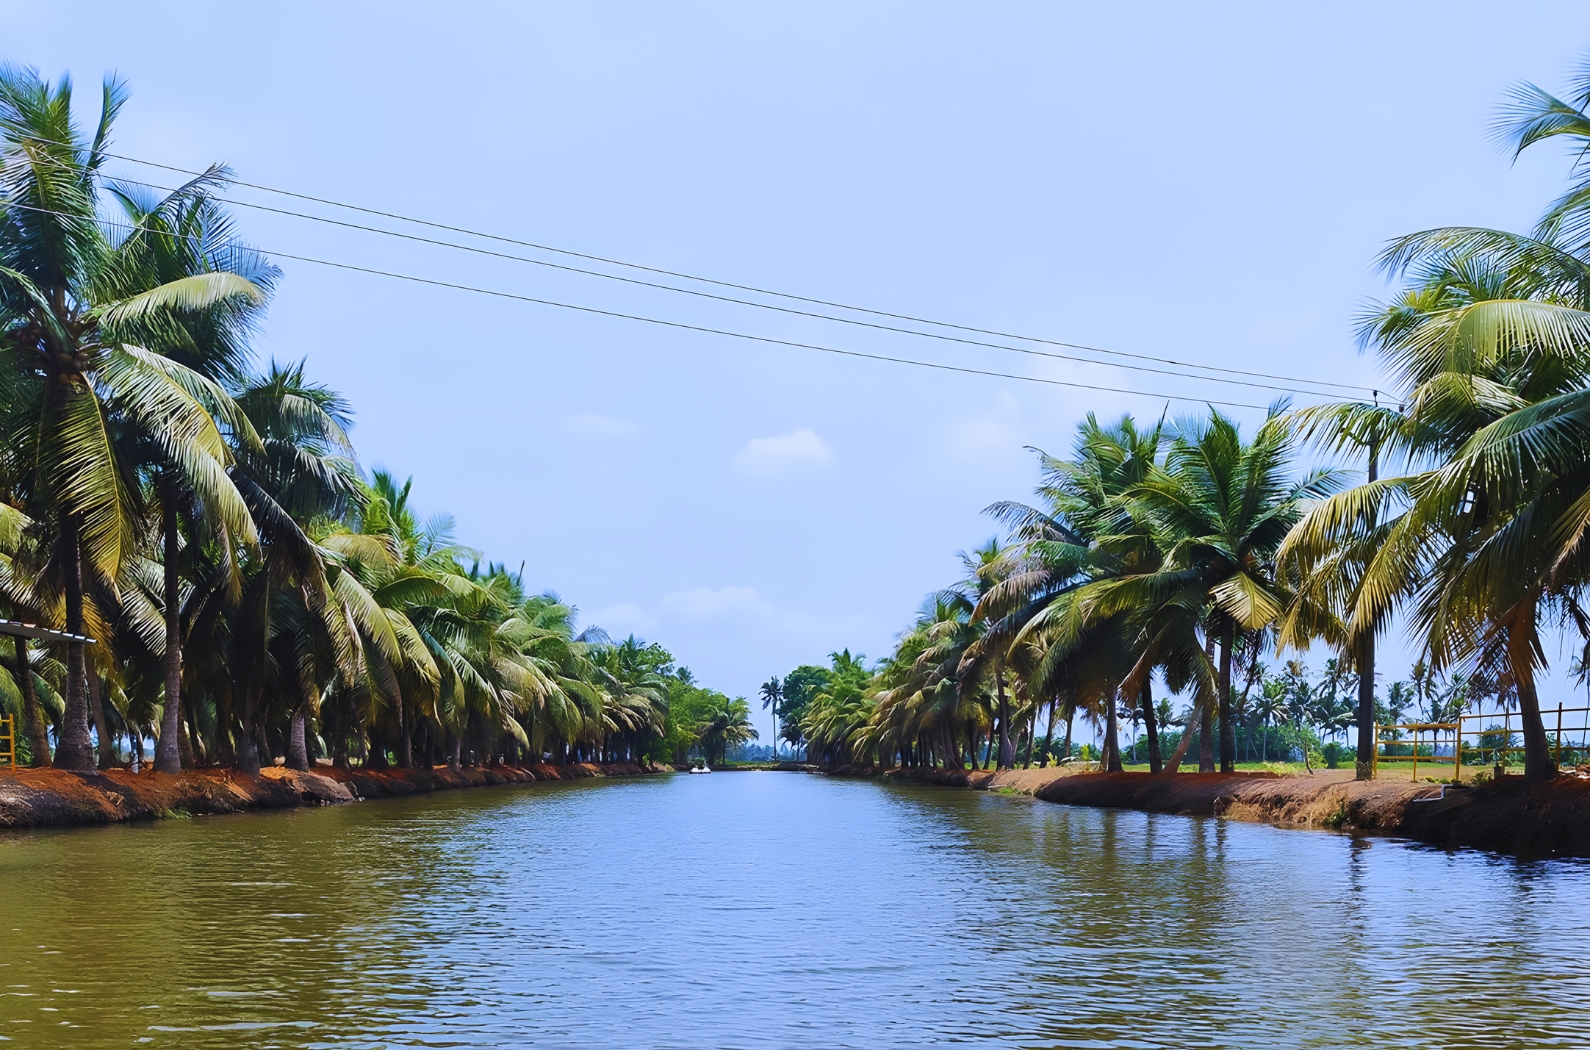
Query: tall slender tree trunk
(168, 750)
(1365, 767)
(1206, 721)
(1521, 640)
(73, 748)
(1228, 727)
(1151, 726)
(1007, 750)
(1071, 717)
(297, 748)
(404, 749)
(32, 717)
(339, 747)
(105, 739)
(1048, 735)
(1197, 717)
(1206, 739)
(1112, 744)
(225, 718)
(248, 749)
(192, 749)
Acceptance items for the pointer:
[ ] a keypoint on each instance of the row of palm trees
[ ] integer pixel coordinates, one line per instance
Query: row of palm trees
(1164, 552)
(251, 596)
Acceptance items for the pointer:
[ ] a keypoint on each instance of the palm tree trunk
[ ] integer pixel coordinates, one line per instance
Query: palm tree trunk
(96, 706)
(192, 744)
(1112, 746)
(1007, 750)
(297, 748)
(339, 736)
(1365, 767)
(1151, 727)
(1174, 765)
(1228, 729)
(73, 749)
(1206, 739)
(1206, 722)
(32, 718)
(1048, 735)
(1521, 642)
(248, 750)
(405, 755)
(1071, 717)
(168, 750)
(225, 752)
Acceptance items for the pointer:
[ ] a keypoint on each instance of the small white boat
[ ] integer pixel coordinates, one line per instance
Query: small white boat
(701, 769)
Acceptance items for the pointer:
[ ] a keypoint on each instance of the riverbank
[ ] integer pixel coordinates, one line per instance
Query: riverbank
(37, 798)
(1504, 816)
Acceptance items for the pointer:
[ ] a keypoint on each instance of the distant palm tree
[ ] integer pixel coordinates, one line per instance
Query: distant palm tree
(729, 726)
(772, 696)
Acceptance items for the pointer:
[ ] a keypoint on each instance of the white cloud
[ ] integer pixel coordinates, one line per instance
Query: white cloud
(990, 436)
(592, 425)
(772, 455)
(623, 619)
(732, 606)
(706, 603)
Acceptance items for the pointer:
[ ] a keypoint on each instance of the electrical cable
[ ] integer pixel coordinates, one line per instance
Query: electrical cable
(705, 280)
(745, 302)
(497, 293)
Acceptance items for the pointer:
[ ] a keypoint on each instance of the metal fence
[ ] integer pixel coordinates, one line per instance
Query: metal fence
(1481, 739)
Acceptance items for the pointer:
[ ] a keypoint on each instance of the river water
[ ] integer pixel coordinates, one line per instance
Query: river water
(776, 910)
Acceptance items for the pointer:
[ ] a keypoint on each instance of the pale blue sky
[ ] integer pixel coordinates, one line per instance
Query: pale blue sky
(1207, 182)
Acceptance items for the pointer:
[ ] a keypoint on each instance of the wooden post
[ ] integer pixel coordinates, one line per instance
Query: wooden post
(1558, 759)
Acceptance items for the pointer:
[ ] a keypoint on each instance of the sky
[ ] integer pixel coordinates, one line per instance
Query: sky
(1208, 183)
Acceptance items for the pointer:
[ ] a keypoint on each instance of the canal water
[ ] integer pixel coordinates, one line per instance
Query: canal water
(776, 910)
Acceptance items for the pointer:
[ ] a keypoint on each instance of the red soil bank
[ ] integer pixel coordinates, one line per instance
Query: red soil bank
(1507, 816)
(32, 798)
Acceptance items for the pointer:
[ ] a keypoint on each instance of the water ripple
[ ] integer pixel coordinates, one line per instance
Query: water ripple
(766, 910)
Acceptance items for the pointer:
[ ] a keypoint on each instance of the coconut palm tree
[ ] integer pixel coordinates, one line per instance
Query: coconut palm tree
(1217, 510)
(729, 726)
(1082, 536)
(72, 300)
(1480, 536)
(183, 235)
(772, 693)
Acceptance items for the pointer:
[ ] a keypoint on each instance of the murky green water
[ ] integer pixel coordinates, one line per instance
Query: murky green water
(775, 910)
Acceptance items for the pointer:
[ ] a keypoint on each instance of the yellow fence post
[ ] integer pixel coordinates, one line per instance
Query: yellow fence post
(8, 740)
(1457, 752)
(1374, 755)
(1416, 756)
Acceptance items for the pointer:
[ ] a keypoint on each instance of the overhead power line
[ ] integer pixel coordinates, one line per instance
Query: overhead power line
(770, 340)
(727, 284)
(760, 306)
